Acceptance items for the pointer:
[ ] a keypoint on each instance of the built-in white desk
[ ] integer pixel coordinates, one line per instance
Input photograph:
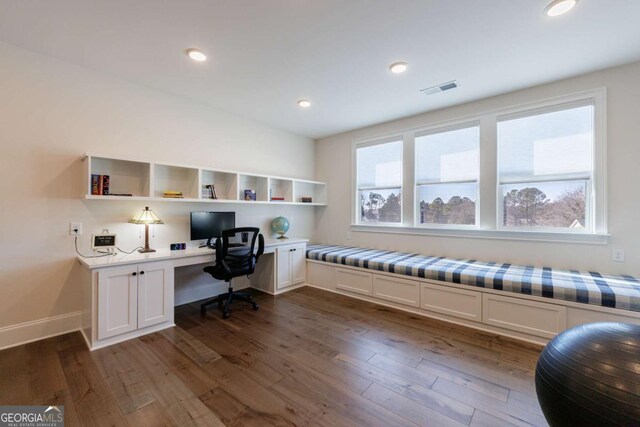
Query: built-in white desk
(129, 295)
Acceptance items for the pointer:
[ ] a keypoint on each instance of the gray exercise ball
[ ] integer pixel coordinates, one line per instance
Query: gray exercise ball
(590, 376)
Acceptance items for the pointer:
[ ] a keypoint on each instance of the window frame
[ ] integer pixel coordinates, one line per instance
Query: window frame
(416, 204)
(357, 220)
(488, 203)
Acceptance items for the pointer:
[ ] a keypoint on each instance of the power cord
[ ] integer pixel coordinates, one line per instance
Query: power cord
(129, 253)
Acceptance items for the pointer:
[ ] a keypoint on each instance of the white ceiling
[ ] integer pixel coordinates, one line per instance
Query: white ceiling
(264, 55)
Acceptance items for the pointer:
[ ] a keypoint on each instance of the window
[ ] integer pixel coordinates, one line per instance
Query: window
(379, 182)
(447, 171)
(545, 168)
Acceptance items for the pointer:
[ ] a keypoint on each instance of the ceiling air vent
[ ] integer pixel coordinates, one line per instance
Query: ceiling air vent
(440, 88)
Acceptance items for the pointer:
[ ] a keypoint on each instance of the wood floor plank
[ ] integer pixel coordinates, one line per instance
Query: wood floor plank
(410, 389)
(91, 394)
(182, 405)
(125, 382)
(464, 379)
(408, 408)
(14, 372)
(482, 419)
(509, 413)
(192, 347)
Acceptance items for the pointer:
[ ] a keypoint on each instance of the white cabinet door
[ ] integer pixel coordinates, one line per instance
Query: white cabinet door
(283, 267)
(117, 301)
(155, 293)
(298, 264)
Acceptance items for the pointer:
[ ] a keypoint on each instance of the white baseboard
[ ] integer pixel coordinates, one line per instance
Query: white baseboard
(35, 330)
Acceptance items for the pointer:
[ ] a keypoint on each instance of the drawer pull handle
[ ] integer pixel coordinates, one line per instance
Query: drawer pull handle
(142, 272)
(134, 274)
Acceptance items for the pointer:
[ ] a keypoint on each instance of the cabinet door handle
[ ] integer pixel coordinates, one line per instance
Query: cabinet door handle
(142, 272)
(134, 274)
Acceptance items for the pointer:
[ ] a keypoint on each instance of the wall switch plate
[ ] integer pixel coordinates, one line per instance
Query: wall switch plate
(75, 229)
(617, 255)
(348, 235)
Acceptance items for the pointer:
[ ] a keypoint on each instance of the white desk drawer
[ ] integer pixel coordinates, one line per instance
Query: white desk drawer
(530, 317)
(354, 281)
(402, 291)
(452, 301)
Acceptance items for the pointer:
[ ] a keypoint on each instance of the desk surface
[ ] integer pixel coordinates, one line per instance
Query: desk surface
(166, 254)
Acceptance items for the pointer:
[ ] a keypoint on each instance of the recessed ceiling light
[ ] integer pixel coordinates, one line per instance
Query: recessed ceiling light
(398, 67)
(196, 55)
(304, 103)
(559, 7)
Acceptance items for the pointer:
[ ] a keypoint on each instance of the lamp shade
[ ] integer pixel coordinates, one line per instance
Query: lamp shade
(146, 217)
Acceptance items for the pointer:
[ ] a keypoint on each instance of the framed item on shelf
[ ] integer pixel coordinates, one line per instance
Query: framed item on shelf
(250, 195)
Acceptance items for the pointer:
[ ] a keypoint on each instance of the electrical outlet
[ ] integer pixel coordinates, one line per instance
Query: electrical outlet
(75, 229)
(617, 255)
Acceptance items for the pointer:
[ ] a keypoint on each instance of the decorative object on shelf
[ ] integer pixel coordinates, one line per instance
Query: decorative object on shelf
(280, 226)
(146, 217)
(173, 195)
(99, 185)
(588, 376)
(178, 246)
(250, 195)
(305, 199)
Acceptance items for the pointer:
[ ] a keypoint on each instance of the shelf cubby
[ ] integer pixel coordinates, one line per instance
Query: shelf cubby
(125, 176)
(176, 178)
(316, 190)
(258, 183)
(279, 187)
(225, 183)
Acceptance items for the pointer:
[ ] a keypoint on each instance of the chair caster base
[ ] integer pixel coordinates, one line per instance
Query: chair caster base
(256, 306)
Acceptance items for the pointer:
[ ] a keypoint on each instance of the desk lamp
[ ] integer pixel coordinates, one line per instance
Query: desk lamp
(146, 217)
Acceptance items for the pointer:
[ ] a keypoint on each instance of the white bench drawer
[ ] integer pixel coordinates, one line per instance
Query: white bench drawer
(452, 301)
(530, 317)
(354, 281)
(402, 291)
(323, 276)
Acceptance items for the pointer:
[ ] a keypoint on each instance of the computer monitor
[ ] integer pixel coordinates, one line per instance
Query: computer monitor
(209, 225)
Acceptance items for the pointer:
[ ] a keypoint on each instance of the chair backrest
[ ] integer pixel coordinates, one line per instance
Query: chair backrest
(236, 251)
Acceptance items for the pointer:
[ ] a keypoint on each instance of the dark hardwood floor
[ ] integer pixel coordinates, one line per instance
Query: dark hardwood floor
(307, 357)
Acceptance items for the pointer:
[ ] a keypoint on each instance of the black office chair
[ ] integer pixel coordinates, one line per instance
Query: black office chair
(234, 258)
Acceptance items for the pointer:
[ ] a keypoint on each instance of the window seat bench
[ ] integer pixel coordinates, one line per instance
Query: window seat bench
(531, 301)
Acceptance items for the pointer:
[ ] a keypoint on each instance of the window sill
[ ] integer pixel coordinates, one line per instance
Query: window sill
(533, 236)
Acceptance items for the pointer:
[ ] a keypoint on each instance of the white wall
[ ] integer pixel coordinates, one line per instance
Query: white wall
(50, 113)
(333, 165)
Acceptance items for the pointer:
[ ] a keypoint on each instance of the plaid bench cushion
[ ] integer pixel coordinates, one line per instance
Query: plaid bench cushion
(622, 292)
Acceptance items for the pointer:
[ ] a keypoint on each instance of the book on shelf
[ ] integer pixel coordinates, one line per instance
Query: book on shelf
(305, 199)
(105, 185)
(173, 195)
(99, 185)
(209, 192)
(277, 199)
(250, 195)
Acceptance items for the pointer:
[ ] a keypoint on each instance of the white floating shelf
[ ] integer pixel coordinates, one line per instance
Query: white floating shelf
(147, 181)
